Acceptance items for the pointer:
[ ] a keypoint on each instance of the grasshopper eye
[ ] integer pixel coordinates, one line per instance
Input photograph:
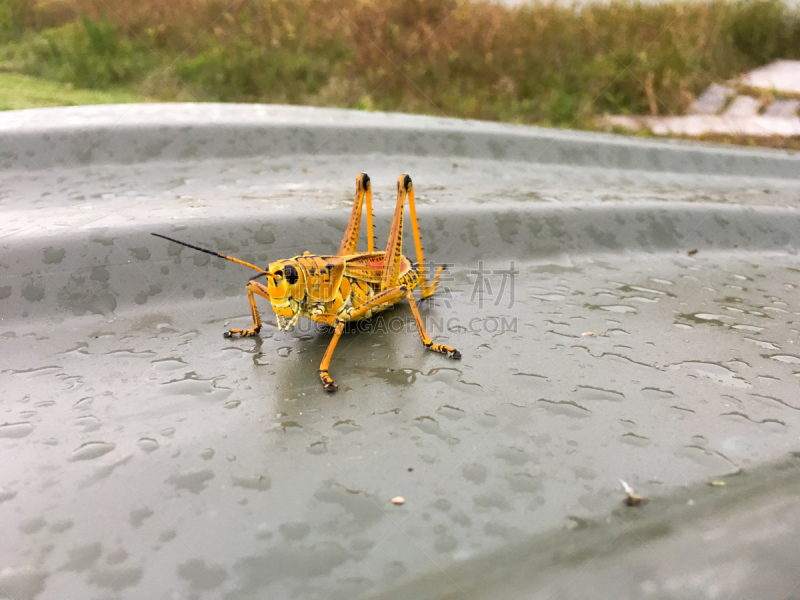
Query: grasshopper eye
(291, 274)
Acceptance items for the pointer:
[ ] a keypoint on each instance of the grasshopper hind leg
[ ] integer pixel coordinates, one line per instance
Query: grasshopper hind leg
(394, 248)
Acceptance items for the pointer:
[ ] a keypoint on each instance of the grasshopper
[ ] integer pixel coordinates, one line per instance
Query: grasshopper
(348, 286)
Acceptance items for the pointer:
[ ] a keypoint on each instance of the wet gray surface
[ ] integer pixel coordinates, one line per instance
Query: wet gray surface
(145, 456)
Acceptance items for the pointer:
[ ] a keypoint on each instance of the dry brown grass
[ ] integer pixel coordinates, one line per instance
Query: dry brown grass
(538, 63)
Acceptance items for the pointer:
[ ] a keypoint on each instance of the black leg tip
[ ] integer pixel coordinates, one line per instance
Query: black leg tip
(330, 387)
(227, 334)
(456, 355)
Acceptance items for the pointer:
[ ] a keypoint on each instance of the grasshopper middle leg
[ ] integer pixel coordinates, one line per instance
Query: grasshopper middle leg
(390, 296)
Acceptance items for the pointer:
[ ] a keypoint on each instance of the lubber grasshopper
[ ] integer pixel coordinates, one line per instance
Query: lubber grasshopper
(348, 286)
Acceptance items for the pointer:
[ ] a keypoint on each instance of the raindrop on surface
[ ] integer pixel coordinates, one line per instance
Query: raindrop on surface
(91, 450)
(714, 372)
(15, 430)
(786, 358)
(147, 444)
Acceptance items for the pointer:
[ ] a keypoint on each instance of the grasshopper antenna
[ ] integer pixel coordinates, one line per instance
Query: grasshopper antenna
(236, 260)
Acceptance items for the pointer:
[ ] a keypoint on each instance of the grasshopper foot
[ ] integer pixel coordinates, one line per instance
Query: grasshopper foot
(449, 351)
(327, 383)
(241, 332)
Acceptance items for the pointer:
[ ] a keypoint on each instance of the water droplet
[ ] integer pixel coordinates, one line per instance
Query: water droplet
(192, 385)
(346, 426)
(89, 423)
(634, 440)
(91, 450)
(427, 424)
(193, 481)
(6, 494)
(524, 483)
(168, 364)
(656, 393)
(564, 407)
(257, 482)
(148, 444)
(748, 328)
(615, 308)
(318, 448)
(15, 430)
(763, 344)
(785, 358)
(591, 393)
(451, 412)
(22, 582)
(130, 353)
(475, 473)
(714, 372)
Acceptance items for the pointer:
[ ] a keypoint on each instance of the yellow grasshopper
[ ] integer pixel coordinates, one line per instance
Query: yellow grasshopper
(348, 286)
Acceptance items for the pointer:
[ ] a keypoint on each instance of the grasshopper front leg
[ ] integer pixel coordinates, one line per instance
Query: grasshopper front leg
(253, 287)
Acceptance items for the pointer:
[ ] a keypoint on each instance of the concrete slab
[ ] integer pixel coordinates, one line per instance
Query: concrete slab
(782, 76)
(743, 107)
(742, 117)
(699, 125)
(696, 125)
(783, 109)
(712, 101)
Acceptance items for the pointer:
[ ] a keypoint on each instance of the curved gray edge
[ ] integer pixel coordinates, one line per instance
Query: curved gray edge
(658, 543)
(66, 137)
(540, 232)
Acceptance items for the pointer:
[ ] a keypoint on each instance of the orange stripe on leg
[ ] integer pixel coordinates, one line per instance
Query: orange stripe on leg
(256, 318)
(327, 381)
(426, 339)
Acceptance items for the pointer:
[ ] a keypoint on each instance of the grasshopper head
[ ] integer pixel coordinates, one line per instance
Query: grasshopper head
(286, 283)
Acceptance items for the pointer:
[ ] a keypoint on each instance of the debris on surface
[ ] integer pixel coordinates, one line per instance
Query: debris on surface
(692, 252)
(763, 102)
(398, 500)
(717, 483)
(589, 334)
(631, 497)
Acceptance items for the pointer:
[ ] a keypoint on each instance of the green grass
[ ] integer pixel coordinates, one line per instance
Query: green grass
(23, 91)
(542, 63)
